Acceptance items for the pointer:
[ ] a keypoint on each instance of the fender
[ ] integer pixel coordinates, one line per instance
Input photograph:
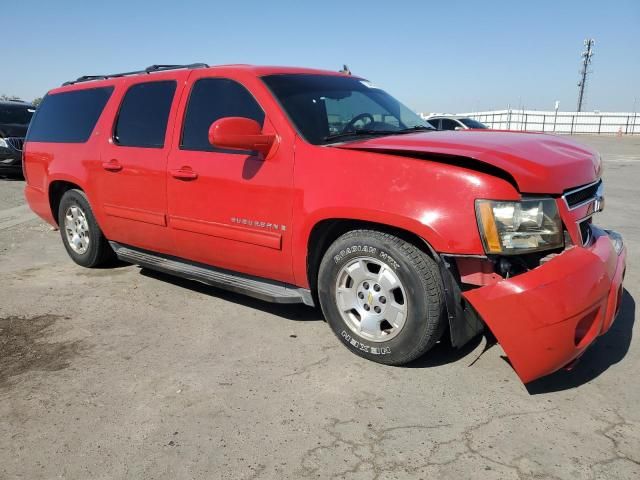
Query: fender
(302, 234)
(70, 178)
(464, 323)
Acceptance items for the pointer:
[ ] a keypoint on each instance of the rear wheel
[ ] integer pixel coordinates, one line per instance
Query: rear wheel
(81, 235)
(382, 296)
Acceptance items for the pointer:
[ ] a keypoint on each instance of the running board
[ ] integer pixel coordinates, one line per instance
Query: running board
(268, 290)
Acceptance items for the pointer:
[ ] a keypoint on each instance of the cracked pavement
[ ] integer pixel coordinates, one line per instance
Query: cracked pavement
(126, 373)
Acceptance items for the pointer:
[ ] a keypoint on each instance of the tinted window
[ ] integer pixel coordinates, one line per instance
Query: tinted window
(210, 100)
(16, 114)
(143, 116)
(471, 123)
(68, 117)
(448, 124)
(434, 122)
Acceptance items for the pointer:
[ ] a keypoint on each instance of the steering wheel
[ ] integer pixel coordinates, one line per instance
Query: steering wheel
(349, 127)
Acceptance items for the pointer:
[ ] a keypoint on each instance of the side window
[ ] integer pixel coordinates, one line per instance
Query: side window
(210, 100)
(144, 113)
(68, 117)
(435, 122)
(448, 124)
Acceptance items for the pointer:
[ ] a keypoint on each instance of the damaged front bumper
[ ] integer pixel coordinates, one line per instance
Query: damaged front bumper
(546, 318)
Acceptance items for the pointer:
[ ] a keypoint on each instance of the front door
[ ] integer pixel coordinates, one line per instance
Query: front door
(229, 209)
(131, 174)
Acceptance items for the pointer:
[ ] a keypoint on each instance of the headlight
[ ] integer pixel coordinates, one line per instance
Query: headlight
(3, 143)
(510, 228)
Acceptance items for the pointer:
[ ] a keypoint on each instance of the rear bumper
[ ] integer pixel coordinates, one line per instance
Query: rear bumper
(546, 318)
(39, 202)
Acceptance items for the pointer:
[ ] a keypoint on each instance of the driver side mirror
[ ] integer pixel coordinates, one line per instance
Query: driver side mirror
(239, 133)
(458, 128)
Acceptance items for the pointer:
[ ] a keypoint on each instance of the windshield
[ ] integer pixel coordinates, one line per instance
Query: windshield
(16, 114)
(472, 123)
(326, 108)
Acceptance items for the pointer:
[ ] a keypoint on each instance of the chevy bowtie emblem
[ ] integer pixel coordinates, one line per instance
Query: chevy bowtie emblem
(370, 298)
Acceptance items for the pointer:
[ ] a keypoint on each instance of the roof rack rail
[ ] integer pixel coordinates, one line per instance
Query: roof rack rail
(149, 69)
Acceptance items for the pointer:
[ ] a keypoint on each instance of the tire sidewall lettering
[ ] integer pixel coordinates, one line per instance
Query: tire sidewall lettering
(363, 347)
(366, 249)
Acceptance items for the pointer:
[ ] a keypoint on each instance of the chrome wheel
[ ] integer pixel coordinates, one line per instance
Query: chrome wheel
(371, 299)
(76, 228)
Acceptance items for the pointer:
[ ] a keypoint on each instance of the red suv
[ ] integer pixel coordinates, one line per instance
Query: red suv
(299, 185)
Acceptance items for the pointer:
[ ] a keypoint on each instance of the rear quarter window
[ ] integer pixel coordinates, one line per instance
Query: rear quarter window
(68, 117)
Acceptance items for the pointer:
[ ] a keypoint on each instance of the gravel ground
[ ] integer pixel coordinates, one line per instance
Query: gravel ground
(126, 373)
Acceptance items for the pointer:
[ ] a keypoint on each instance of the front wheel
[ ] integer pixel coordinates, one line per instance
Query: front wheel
(382, 296)
(81, 235)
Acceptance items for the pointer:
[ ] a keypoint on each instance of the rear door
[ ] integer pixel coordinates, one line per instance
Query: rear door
(230, 209)
(132, 171)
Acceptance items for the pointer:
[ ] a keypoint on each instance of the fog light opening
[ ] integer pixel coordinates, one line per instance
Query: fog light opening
(584, 329)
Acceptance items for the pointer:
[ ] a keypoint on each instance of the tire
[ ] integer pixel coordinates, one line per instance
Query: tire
(82, 238)
(393, 330)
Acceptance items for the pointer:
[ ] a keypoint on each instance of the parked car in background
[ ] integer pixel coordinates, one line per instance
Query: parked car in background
(299, 185)
(454, 122)
(14, 121)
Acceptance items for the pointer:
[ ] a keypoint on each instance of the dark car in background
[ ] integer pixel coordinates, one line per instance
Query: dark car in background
(14, 121)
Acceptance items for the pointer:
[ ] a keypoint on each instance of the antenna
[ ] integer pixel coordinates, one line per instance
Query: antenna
(586, 61)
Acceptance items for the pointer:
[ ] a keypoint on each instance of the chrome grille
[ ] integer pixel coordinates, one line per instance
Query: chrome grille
(581, 195)
(15, 143)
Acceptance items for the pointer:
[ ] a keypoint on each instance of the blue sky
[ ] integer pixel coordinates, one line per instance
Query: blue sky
(444, 56)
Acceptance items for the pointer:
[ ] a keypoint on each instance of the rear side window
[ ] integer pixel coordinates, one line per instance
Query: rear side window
(144, 113)
(68, 117)
(210, 100)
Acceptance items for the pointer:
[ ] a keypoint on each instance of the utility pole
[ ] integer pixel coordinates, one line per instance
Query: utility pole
(586, 61)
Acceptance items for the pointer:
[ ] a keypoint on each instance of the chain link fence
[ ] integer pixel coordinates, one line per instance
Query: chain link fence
(610, 123)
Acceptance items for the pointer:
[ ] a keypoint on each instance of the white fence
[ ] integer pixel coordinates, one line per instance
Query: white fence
(612, 123)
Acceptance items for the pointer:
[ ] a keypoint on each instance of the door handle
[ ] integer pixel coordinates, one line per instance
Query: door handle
(184, 173)
(112, 165)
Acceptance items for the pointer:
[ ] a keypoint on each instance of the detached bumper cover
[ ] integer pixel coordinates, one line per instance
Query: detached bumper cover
(546, 318)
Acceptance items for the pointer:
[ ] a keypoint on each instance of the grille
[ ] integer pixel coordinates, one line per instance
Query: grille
(15, 143)
(583, 194)
(585, 231)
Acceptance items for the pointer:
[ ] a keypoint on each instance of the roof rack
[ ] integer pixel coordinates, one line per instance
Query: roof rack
(150, 69)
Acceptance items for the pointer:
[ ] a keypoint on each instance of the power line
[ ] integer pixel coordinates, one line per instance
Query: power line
(586, 61)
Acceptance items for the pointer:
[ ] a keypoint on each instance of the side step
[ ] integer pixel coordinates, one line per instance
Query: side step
(268, 290)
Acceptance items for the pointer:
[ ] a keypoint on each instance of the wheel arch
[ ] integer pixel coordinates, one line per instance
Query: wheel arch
(463, 323)
(57, 188)
(326, 231)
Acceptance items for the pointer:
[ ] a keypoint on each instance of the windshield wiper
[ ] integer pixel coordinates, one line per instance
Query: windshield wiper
(356, 133)
(417, 128)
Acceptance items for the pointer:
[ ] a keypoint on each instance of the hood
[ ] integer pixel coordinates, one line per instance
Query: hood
(538, 163)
